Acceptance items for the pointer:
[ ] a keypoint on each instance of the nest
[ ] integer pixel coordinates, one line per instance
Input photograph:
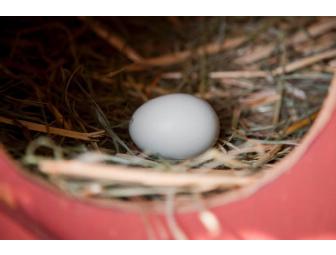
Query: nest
(70, 85)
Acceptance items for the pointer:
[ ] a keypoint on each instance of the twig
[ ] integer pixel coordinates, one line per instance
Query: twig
(57, 114)
(208, 219)
(300, 124)
(268, 156)
(178, 57)
(278, 103)
(150, 177)
(239, 74)
(314, 46)
(289, 130)
(135, 191)
(291, 67)
(260, 98)
(223, 74)
(266, 50)
(304, 62)
(173, 226)
(280, 83)
(112, 39)
(149, 227)
(52, 130)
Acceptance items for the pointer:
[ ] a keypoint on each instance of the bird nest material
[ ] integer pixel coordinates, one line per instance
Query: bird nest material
(70, 85)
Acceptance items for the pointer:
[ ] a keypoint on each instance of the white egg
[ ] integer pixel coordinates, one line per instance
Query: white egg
(174, 126)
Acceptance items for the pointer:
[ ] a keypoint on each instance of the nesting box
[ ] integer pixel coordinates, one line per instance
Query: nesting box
(294, 202)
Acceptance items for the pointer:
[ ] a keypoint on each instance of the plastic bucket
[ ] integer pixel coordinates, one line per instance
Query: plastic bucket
(296, 200)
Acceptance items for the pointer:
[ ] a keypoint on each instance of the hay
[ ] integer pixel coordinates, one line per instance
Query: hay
(69, 87)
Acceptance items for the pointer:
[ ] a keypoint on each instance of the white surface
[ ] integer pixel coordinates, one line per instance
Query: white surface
(167, 8)
(175, 126)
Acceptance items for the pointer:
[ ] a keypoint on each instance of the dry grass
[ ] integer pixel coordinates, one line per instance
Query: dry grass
(78, 81)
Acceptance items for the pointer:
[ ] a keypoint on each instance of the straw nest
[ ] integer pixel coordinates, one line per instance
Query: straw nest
(69, 86)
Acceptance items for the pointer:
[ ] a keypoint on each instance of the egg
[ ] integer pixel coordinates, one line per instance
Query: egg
(174, 126)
